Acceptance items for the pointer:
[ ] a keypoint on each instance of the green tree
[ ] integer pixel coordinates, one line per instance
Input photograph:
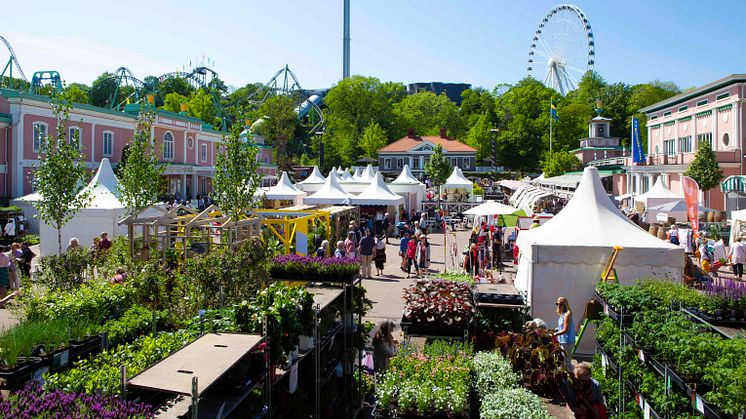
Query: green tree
(59, 175)
(75, 93)
(705, 168)
(475, 103)
(427, 113)
(279, 118)
(172, 102)
(373, 138)
(560, 162)
(201, 105)
(141, 174)
(236, 177)
(480, 136)
(176, 84)
(438, 167)
(102, 90)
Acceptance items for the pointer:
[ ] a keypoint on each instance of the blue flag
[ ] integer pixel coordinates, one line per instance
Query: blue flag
(637, 154)
(553, 110)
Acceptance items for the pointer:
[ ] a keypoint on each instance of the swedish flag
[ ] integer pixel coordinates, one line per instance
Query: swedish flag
(553, 111)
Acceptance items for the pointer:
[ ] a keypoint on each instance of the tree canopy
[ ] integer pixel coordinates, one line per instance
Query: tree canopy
(559, 162)
(704, 168)
(438, 167)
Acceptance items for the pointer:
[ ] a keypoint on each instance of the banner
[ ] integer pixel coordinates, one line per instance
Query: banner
(691, 198)
(637, 155)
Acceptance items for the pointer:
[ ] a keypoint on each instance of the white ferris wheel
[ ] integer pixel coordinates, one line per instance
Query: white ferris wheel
(562, 49)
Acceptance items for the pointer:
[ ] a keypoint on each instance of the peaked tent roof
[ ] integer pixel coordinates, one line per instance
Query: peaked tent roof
(368, 175)
(346, 177)
(590, 219)
(377, 194)
(357, 174)
(314, 178)
(658, 191)
(491, 208)
(284, 189)
(406, 177)
(104, 188)
(674, 206)
(458, 180)
(329, 194)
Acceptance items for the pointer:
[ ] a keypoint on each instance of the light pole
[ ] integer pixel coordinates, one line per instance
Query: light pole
(495, 132)
(320, 135)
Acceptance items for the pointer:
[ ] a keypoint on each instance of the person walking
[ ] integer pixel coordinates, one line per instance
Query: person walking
(24, 261)
(339, 252)
(403, 242)
(380, 256)
(737, 255)
(411, 255)
(367, 244)
(423, 255)
(565, 329)
(385, 225)
(5, 283)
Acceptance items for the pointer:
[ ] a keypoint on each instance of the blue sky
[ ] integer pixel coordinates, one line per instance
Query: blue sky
(479, 42)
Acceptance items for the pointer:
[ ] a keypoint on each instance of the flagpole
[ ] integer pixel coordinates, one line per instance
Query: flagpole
(551, 120)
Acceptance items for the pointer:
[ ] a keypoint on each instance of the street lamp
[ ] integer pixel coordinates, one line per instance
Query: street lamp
(320, 134)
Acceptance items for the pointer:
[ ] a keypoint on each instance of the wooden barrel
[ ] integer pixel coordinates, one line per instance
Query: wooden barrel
(721, 216)
(662, 232)
(710, 216)
(653, 230)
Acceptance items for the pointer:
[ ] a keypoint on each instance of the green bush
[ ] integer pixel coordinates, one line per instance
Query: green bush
(65, 272)
(94, 301)
(493, 373)
(134, 322)
(513, 403)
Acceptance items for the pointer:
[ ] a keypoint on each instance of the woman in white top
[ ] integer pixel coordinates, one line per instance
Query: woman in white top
(737, 255)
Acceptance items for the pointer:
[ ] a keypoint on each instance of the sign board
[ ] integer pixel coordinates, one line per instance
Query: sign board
(661, 216)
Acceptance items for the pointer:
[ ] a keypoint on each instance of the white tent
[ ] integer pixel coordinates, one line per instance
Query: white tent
(357, 174)
(346, 177)
(491, 208)
(102, 213)
(409, 187)
(285, 191)
(566, 255)
(406, 177)
(458, 180)
(658, 194)
(27, 205)
(675, 209)
(313, 182)
(331, 193)
(377, 194)
(367, 175)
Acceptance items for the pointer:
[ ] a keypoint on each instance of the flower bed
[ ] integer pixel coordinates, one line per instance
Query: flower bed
(33, 402)
(307, 268)
(438, 304)
(434, 381)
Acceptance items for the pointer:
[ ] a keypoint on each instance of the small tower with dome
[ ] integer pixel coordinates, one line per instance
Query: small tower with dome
(599, 145)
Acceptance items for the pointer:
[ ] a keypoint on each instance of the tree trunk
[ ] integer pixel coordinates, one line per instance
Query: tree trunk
(59, 240)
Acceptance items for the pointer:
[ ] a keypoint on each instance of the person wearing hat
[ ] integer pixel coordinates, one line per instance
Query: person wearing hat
(535, 223)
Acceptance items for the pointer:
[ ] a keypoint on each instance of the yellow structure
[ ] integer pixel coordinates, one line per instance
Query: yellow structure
(291, 225)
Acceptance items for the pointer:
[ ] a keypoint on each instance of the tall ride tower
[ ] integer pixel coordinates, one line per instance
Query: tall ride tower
(346, 41)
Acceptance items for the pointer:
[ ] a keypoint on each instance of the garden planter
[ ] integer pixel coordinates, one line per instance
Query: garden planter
(86, 346)
(725, 318)
(15, 378)
(613, 312)
(433, 329)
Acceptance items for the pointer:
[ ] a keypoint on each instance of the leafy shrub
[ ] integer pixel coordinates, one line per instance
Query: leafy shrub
(435, 381)
(134, 322)
(438, 302)
(37, 337)
(95, 301)
(493, 373)
(513, 403)
(538, 357)
(66, 271)
(34, 402)
(100, 374)
(455, 276)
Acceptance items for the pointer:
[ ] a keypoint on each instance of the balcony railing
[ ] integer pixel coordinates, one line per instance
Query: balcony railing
(729, 156)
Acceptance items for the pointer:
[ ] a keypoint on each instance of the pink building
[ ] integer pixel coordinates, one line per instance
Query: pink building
(712, 113)
(599, 144)
(185, 143)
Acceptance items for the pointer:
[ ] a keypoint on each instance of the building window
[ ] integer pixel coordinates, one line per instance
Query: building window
(600, 130)
(387, 163)
(685, 144)
(416, 163)
(705, 137)
(399, 163)
(669, 147)
(702, 103)
(203, 152)
(665, 114)
(108, 146)
(168, 146)
(683, 108)
(467, 163)
(645, 184)
(726, 139)
(73, 137)
(725, 95)
(190, 143)
(654, 117)
(40, 134)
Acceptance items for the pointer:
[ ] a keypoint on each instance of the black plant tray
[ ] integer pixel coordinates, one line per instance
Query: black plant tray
(282, 276)
(87, 346)
(636, 392)
(15, 378)
(725, 321)
(425, 329)
(507, 299)
(379, 414)
(612, 311)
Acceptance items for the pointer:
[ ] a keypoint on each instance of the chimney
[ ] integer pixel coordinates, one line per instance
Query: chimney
(444, 133)
(410, 133)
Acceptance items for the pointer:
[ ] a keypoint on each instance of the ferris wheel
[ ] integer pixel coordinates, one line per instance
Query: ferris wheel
(562, 49)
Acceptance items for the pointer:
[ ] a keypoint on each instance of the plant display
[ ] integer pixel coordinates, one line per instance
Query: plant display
(729, 294)
(438, 302)
(34, 402)
(539, 359)
(66, 271)
(39, 337)
(288, 312)
(300, 267)
(433, 381)
(134, 322)
(455, 276)
(94, 300)
(513, 403)
(100, 374)
(493, 373)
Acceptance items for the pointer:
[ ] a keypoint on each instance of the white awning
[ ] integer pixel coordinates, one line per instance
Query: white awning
(377, 194)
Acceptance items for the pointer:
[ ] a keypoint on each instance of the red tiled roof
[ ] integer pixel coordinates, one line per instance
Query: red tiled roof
(407, 143)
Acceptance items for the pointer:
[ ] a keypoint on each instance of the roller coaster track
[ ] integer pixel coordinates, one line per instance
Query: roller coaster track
(13, 60)
(285, 85)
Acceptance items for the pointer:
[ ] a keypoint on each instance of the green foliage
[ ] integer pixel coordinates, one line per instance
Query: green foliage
(279, 118)
(39, 337)
(236, 177)
(438, 168)
(480, 136)
(646, 94)
(559, 162)
(493, 373)
(513, 403)
(373, 138)
(427, 113)
(536, 356)
(172, 102)
(75, 93)
(705, 168)
(176, 85)
(66, 271)
(93, 300)
(102, 90)
(139, 179)
(455, 276)
(202, 106)
(59, 175)
(134, 322)
(100, 374)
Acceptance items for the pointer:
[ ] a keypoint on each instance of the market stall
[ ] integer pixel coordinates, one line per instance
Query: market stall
(282, 194)
(313, 182)
(566, 255)
(657, 195)
(330, 193)
(102, 213)
(457, 187)
(505, 214)
(378, 198)
(409, 187)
